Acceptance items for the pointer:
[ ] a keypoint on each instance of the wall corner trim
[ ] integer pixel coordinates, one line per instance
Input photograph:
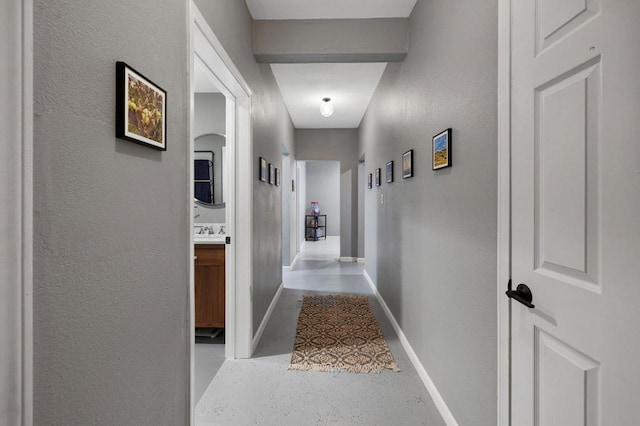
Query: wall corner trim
(442, 407)
(16, 220)
(267, 316)
(295, 259)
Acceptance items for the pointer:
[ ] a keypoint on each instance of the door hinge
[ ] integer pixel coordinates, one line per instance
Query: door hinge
(227, 240)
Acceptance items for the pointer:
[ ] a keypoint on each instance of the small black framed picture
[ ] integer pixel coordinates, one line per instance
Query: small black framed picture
(378, 176)
(389, 172)
(407, 164)
(277, 176)
(262, 169)
(441, 154)
(272, 174)
(370, 181)
(141, 109)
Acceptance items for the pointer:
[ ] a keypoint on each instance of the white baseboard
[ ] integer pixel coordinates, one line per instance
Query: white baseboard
(347, 259)
(265, 320)
(442, 407)
(360, 260)
(292, 262)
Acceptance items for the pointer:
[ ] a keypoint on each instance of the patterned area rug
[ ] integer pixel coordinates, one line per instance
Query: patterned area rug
(339, 333)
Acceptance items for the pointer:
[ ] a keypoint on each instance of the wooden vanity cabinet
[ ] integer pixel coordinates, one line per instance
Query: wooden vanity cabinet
(209, 285)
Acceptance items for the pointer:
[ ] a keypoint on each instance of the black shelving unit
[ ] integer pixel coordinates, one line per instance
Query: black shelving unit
(315, 227)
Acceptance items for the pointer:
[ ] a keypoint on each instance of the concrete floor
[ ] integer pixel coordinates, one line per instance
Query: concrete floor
(209, 356)
(261, 391)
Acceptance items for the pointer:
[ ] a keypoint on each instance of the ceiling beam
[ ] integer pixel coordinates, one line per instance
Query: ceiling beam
(331, 40)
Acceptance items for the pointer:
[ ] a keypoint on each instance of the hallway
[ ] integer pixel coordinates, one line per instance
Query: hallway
(262, 391)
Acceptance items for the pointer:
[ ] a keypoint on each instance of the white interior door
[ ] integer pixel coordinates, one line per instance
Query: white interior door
(576, 212)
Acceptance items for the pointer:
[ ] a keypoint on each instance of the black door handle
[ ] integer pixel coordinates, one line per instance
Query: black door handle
(522, 294)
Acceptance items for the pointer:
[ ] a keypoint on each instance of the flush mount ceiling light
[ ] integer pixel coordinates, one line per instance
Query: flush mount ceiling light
(326, 107)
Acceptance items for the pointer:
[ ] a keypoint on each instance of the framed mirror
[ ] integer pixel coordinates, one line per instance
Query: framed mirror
(208, 170)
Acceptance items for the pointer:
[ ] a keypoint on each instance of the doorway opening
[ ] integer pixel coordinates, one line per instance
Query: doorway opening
(210, 223)
(319, 209)
(220, 280)
(288, 209)
(362, 181)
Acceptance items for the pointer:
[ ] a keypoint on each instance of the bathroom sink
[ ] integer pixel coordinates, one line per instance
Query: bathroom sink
(209, 233)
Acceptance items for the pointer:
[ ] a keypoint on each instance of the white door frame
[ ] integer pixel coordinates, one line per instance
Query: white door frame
(239, 183)
(504, 210)
(16, 215)
(299, 225)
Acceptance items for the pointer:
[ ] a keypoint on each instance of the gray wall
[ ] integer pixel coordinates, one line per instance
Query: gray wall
(338, 145)
(323, 186)
(288, 189)
(209, 117)
(111, 219)
(346, 208)
(214, 144)
(362, 182)
(331, 40)
(302, 200)
(272, 128)
(431, 247)
(288, 211)
(285, 176)
(210, 114)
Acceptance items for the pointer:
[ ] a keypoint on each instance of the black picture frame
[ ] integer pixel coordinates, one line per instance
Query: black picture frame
(272, 174)
(370, 181)
(262, 169)
(141, 109)
(277, 176)
(389, 172)
(407, 164)
(441, 150)
(378, 176)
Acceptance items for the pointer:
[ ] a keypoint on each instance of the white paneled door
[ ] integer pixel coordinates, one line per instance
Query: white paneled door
(576, 212)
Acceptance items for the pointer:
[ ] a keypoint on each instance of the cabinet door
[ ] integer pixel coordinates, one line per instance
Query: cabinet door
(210, 286)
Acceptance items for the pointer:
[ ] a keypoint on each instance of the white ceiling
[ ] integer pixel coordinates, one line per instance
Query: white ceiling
(330, 9)
(350, 87)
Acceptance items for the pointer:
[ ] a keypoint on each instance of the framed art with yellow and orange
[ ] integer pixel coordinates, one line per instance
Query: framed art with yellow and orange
(141, 108)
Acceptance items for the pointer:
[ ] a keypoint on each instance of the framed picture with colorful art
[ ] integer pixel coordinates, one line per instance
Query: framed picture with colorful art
(389, 172)
(141, 109)
(441, 156)
(407, 164)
